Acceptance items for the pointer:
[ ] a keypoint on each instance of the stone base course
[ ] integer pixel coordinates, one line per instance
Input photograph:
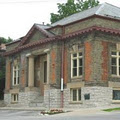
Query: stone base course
(99, 96)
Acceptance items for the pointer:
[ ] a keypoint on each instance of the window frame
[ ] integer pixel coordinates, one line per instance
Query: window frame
(77, 95)
(14, 97)
(78, 64)
(117, 56)
(16, 78)
(45, 64)
(113, 100)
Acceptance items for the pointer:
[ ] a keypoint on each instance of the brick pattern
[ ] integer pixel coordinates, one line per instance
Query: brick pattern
(8, 75)
(53, 67)
(105, 58)
(88, 60)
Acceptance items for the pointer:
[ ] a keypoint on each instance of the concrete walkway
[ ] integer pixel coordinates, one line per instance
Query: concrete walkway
(82, 111)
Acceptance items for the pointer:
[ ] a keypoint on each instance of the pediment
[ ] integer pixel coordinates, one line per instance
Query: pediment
(36, 33)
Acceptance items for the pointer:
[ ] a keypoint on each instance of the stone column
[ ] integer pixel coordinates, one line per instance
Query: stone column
(48, 67)
(31, 72)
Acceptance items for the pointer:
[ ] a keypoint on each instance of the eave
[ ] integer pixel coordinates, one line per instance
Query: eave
(64, 37)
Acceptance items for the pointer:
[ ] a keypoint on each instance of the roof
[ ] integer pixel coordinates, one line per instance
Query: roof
(43, 28)
(70, 35)
(105, 9)
(15, 41)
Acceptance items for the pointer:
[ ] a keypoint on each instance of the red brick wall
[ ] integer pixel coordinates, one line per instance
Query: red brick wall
(53, 67)
(88, 60)
(105, 59)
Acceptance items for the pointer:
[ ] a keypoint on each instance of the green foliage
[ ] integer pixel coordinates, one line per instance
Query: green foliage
(4, 40)
(2, 59)
(112, 109)
(2, 67)
(71, 7)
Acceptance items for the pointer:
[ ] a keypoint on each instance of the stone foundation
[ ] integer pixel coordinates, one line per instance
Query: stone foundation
(99, 96)
(52, 98)
(24, 98)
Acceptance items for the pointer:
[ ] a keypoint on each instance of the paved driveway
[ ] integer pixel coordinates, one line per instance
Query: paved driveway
(76, 115)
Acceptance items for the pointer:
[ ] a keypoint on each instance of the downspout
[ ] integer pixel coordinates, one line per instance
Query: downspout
(62, 71)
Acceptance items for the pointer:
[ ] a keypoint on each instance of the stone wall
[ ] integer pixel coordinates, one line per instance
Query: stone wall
(99, 96)
(52, 98)
(24, 98)
(7, 99)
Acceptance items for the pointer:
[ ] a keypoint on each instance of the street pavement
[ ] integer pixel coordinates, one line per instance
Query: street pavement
(90, 114)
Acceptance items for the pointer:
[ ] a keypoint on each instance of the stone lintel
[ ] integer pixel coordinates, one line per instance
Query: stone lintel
(114, 84)
(75, 85)
(28, 89)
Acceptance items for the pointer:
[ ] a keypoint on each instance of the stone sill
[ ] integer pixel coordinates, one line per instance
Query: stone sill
(72, 78)
(72, 102)
(116, 101)
(14, 102)
(115, 76)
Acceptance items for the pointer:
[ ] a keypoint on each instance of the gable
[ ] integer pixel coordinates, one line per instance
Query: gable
(36, 33)
(36, 36)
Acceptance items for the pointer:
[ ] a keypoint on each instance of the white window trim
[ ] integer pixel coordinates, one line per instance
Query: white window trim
(72, 58)
(71, 92)
(16, 98)
(116, 101)
(117, 56)
(17, 74)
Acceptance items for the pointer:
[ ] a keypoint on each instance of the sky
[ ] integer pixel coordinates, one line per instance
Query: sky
(18, 16)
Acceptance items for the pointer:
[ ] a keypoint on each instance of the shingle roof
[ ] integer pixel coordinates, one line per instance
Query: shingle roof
(104, 9)
(43, 28)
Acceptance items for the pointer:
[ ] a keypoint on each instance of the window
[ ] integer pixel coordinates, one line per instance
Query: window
(116, 94)
(76, 95)
(14, 97)
(76, 64)
(45, 71)
(115, 63)
(15, 75)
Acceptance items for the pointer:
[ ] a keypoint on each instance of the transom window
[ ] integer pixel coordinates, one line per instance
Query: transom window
(116, 94)
(76, 94)
(14, 97)
(15, 74)
(115, 63)
(76, 64)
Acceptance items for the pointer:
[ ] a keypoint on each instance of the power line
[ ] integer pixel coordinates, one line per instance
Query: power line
(26, 2)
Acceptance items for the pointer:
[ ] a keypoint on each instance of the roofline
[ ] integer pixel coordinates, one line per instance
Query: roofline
(92, 16)
(13, 42)
(30, 32)
(70, 35)
(52, 27)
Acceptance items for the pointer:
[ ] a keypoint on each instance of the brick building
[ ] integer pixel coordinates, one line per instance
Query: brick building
(81, 51)
(2, 70)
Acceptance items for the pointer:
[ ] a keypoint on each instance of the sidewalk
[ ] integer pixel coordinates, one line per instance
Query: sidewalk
(82, 111)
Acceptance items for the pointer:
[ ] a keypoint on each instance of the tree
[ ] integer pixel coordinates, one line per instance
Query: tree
(2, 66)
(4, 40)
(71, 7)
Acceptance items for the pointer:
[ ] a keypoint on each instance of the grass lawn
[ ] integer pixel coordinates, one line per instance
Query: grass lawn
(112, 109)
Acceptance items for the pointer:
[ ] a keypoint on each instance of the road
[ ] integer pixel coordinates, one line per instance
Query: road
(76, 115)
